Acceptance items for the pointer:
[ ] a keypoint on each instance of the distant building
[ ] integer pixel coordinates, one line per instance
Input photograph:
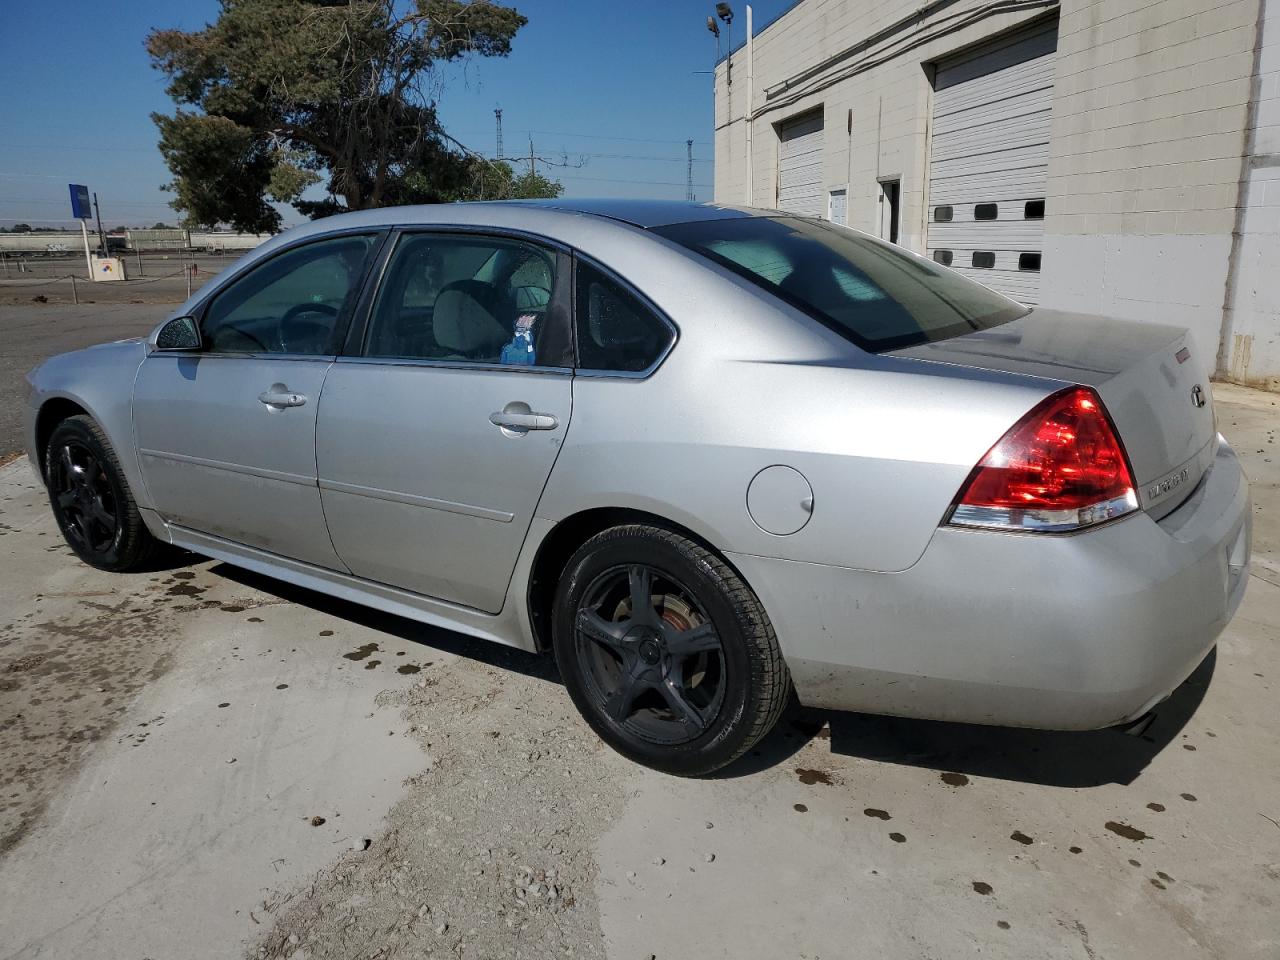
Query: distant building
(1117, 157)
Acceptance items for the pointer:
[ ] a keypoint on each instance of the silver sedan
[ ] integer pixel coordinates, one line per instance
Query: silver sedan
(706, 456)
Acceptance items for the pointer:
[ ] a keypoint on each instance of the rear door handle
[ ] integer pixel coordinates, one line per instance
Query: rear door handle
(279, 398)
(523, 421)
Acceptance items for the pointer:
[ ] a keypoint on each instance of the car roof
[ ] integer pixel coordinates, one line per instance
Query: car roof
(642, 213)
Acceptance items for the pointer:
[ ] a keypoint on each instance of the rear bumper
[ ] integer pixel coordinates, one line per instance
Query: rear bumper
(1057, 632)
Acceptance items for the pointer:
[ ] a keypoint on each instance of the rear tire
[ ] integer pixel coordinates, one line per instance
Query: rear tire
(685, 681)
(92, 502)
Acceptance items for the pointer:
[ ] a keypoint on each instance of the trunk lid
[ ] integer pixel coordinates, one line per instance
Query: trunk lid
(1153, 384)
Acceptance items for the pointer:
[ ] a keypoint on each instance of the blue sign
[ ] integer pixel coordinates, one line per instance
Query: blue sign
(80, 206)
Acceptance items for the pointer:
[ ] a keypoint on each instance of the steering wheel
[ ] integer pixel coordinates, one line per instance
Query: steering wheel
(289, 338)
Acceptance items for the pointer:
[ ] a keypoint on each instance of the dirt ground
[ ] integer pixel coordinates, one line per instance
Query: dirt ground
(163, 279)
(199, 762)
(32, 332)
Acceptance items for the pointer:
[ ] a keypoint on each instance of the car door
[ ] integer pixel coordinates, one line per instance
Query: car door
(435, 438)
(226, 434)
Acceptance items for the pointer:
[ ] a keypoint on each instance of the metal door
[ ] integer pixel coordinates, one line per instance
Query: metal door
(226, 434)
(227, 447)
(800, 166)
(989, 162)
(430, 475)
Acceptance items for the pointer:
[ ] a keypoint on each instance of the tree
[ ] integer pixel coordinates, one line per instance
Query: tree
(277, 95)
(21, 228)
(161, 225)
(496, 180)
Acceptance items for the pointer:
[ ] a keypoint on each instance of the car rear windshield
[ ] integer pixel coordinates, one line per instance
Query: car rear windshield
(873, 293)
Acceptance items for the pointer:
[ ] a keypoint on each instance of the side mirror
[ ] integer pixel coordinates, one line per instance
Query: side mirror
(180, 333)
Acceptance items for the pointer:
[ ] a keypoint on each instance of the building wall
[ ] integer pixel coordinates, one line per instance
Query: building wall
(1164, 170)
(1250, 351)
(886, 100)
(1150, 120)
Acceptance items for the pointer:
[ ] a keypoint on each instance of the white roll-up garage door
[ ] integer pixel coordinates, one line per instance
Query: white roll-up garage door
(800, 167)
(988, 162)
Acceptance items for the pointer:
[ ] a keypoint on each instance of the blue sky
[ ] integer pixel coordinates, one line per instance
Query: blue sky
(615, 84)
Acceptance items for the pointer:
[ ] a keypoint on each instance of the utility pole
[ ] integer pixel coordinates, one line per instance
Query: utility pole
(498, 115)
(533, 163)
(102, 234)
(688, 177)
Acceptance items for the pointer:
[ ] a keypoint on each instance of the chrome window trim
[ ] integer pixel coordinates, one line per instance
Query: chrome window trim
(631, 288)
(232, 355)
(456, 365)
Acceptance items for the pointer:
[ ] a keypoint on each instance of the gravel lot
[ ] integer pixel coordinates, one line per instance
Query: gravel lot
(198, 762)
(31, 333)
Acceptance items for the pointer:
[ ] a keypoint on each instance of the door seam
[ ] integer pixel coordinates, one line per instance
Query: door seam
(315, 458)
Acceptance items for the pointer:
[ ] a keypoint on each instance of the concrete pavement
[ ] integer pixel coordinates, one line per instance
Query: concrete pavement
(497, 826)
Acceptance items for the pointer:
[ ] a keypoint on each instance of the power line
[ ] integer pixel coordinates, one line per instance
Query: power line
(73, 146)
(599, 136)
(633, 156)
(593, 136)
(655, 183)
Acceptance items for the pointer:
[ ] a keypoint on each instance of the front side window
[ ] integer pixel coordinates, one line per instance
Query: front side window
(872, 293)
(617, 332)
(292, 303)
(455, 297)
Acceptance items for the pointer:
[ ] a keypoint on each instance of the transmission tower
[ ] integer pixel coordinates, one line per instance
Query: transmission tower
(688, 177)
(498, 116)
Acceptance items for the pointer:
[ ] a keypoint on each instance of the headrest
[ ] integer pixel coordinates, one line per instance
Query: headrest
(463, 319)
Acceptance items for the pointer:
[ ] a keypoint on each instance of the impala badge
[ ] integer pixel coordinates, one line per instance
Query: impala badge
(1168, 483)
(1197, 396)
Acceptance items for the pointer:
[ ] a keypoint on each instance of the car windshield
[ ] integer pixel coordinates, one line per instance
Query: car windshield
(873, 293)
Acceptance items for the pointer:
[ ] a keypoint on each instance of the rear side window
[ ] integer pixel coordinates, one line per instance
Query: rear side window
(617, 332)
(873, 293)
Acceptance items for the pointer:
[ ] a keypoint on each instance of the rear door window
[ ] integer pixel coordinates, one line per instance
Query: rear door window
(873, 293)
(467, 298)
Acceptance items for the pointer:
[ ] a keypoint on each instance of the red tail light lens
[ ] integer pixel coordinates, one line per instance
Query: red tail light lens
(1060, 468)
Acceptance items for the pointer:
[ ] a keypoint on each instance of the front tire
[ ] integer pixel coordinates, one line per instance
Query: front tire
(91, 499)
(665, 651)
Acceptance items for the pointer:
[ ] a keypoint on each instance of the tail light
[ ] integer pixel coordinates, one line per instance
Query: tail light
(1060, 468)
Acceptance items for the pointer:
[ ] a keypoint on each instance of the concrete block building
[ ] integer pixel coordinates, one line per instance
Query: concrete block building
(1119, 157)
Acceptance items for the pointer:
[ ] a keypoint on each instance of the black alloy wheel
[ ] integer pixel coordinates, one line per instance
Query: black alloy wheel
(652, 659)
(666, 652)
(83, 495)
(91, 499)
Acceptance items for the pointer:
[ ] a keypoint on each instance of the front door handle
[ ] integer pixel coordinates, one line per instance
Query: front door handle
(278, 398)
(523, 421)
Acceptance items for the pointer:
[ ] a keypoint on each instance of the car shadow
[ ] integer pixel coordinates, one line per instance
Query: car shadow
(1050, 758)
(534, 665)
(1046, 757)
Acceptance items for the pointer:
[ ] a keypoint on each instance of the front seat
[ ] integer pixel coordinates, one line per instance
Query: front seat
(465, 323)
